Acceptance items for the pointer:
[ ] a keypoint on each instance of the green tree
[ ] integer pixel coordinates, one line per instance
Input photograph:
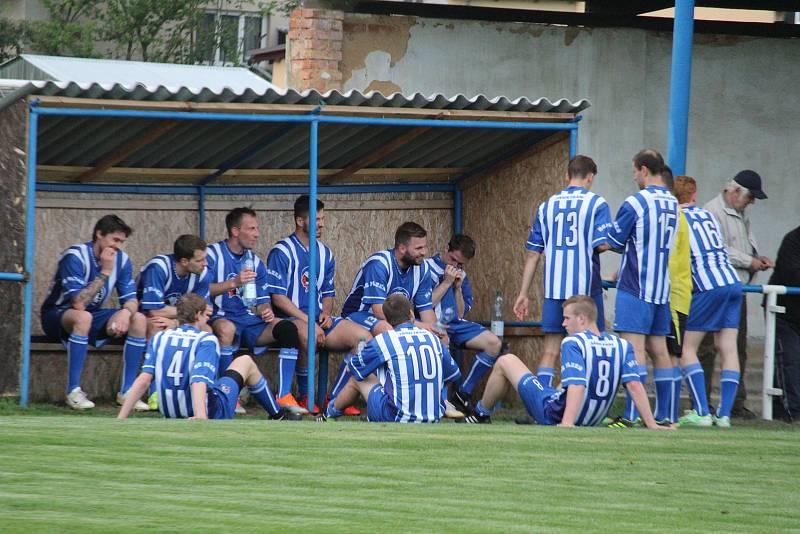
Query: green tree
(10, 39)
(70, 31)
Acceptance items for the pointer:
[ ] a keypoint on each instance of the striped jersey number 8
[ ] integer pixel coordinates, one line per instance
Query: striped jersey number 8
(422, 357)
(569, 219)
(667, 227)
(708, 233)
(174, 371)
(603, 385)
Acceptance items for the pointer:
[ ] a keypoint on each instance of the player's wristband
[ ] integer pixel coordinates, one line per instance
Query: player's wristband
(103, 277)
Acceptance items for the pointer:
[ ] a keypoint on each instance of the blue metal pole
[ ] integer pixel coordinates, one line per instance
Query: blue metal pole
(201, 208)
(13, 277)
(458, 209)
(30, 223)
(443, 187)
(680, 86)
(573, 143)
(312, 264)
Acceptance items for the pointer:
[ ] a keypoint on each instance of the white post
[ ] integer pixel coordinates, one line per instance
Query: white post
(768, 389)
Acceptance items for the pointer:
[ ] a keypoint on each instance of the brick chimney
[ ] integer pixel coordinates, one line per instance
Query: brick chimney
(314, 49)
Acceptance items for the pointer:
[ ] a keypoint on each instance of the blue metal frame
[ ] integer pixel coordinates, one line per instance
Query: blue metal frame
(680, 86)
(203, 189)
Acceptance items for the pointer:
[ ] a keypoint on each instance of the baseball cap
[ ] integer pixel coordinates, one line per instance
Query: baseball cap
(752, 181)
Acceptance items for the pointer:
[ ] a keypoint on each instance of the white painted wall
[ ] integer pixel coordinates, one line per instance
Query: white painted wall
(745, 104)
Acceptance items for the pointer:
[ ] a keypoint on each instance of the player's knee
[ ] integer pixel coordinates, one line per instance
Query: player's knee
(225, 331)
(494, 345)
(138, 324)
(381, 327)
(286, 334)
(82, 322)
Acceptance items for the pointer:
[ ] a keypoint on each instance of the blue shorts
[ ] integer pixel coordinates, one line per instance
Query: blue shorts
(713, 310)
(461, 331)
(248, 329)
(364, 318)
(379, 409)
(536, 398)
(222, 397)
(636, 316)
(553, 315)
(98, 336)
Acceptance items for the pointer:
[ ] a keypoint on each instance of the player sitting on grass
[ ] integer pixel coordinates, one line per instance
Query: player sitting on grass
(592, 367)
(400, 373)
(184, 362)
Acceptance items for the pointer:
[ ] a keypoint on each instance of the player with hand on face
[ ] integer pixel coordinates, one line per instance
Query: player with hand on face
(73, 311)
(593, 365)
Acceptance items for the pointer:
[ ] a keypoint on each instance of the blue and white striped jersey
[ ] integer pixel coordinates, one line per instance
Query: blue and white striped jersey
(381, 276)
(412, 366)
(711, 267)
(224, 265)
(77, 268)
(287, 272)
(646, 225)
(437, 266)
(178, 358)
(160, 285)
(600, 363)
(567, 228)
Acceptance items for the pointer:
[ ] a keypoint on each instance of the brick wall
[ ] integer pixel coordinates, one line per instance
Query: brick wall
(314, 49)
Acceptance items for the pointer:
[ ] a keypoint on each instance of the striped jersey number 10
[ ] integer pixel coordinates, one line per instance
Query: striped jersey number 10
(422, 358)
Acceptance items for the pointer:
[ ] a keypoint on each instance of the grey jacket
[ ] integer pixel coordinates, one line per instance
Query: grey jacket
(739, 240)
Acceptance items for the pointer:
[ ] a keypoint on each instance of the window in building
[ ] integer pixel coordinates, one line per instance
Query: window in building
(227, 38)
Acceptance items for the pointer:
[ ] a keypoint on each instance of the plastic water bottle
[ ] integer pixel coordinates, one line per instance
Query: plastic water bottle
(444, 320)
(362, 342)
(249, 289)
(497, 315)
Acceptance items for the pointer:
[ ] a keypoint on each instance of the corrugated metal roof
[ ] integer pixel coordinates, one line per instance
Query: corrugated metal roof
(132, 73)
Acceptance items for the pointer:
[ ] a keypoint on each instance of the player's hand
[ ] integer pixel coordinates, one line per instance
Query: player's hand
(564, 425)
(245, 276)
(108, 259)
(267, 315)
(460, 275)
(320, 333)
(324, 320)
(450, 274)
(119, 324)
(521, 307)
(162, 323)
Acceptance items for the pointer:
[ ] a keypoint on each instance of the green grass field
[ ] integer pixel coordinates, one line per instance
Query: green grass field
(67, 472)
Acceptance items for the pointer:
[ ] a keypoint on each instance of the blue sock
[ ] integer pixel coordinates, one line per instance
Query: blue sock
(333, 411)
(663, 382)
(132, 353)
(480, 366)
(631, 413)
(445, 393)
(696, 382)
(341, 380)
(287, 362)
(728, 384)
(264, 396)
(225, 359)
(480, 409)
(546, 375)
(302, 380)
(76, 354)
(677, 382)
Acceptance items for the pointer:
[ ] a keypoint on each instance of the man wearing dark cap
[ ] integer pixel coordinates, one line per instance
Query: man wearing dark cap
(729, 209)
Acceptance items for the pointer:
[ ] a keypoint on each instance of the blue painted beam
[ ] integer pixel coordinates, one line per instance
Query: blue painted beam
(680, 86)
(12, 277)
(313, 266)
(444, 187)
(30, 234)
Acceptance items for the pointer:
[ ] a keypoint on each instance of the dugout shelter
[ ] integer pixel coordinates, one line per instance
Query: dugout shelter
(174, 160)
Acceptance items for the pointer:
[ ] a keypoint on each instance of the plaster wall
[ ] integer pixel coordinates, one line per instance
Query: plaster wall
(744, 111)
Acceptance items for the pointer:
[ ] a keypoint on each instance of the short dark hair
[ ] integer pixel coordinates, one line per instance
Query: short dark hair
(583, 305)
(303, 204)
(650, 158)
(581, 166)
(464, 244)
(185, 246)
(188, 306)
(234, 217)
(109, 224)
(668, 178)
(397, 309)
(406, 231)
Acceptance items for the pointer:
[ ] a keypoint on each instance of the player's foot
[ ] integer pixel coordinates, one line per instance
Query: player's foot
(462, 401)
(139, 406)
(352, 411)
(290, 404)
(693, 419)
(621, 422)
(76, 399)
(304, 404)
(285, 415)
(663, 422)
(722, 422)
(239, 408)
(451, 412)
(476, 419)
(152, 401)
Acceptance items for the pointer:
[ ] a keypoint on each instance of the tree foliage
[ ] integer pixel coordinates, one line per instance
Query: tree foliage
(71, 29)
(10, 39)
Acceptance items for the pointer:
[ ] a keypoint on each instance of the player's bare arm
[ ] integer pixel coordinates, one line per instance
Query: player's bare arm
(199, 400)
(285, 304)
(140, 385)
(573, 405)
(521, 304)
(236, 282)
